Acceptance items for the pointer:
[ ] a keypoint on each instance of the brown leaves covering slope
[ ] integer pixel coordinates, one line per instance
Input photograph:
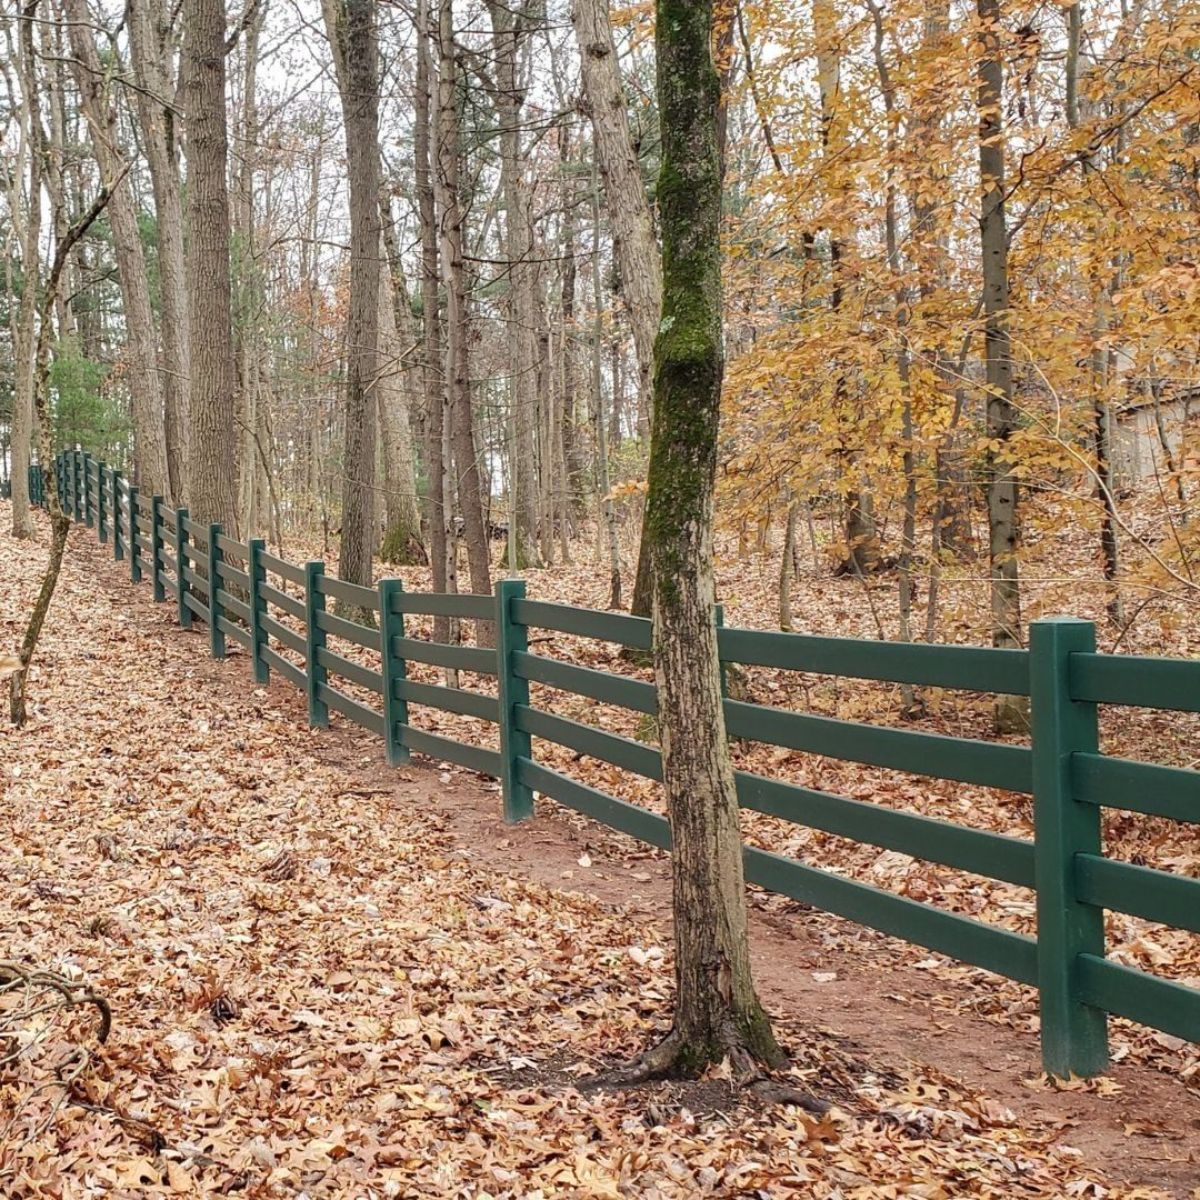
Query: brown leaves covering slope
(316, 993)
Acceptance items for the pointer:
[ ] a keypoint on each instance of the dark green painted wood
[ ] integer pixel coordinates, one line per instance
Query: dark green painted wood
(335, 664)
(167, 559)
(283, 568)
(229, 603)
(89, 494)
(394, 669)
(291, 605)
(719, 619)
(135, 540)
(232, 574)
(1144, 682)
(1140, 891)
(232, 546)
(932, 754)
(216, 636)
(289, 637)
(285, 667)
(80, 488)
(474, 758)
(1172, 1007)
(118, 544)
(181, 543)
(102, 503)
(992, 855)
(511, 640)
(314, 603)
(584, 681)
(617, 814)
(360, 714)
(349, 593)
(240, 635)
(1172, 792)
(969, 668)
(611, 748)
(448, 699)
(473, 607)
(349, 631)
(255, 582)
(634, 632)
(457, 658)
(998, 950)
(195, 578)
(196, 606)
(1074, 1033)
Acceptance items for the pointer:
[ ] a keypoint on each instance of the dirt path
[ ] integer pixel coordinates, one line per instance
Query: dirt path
(180, 837)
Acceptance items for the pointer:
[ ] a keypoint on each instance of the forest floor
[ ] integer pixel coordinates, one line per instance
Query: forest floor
(333, 979)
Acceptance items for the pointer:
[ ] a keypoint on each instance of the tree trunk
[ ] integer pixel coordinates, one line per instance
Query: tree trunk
(1003, 528)
(211, 469)
(151, 56)
(717, 1012)
(351, 28)
(466, 466)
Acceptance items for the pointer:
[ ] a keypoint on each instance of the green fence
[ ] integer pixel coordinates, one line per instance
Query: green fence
(240, 592)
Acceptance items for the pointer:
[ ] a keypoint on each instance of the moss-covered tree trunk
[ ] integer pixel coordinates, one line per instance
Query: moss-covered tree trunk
(717, 1012)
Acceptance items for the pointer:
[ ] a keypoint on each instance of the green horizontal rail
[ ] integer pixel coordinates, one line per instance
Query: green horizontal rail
(1010, 954)
(283, 568)
(617, 814)
(634, 632)
(1128, 992)
(201, 610)
(235, 631)
(1143, 682)
(586, 681)
(285, 667)
(991, 855)
(192, 576)
(611, 748)
(196, 530)
(348, 593)
(231, 603)
(226, 570)
(348, 631)
(360, 714)
(228, 545)
(1157, 791)
(988, 764)
(282, 633)
(969, 668)
(355, 672)
(475, 758)
(456, 700)
(473, 607)
(1139, 891)
(456, 658)
(166, 581)
(167, 559)
(290, 604)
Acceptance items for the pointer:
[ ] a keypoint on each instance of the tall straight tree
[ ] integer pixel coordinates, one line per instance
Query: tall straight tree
(212, 476)
(1003, 527)
(355, 41)
(717, 1012)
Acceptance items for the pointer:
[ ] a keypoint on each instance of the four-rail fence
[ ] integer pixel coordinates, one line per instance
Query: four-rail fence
(240, 591)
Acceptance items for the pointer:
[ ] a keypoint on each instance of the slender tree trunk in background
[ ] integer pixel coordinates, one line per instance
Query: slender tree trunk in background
(150, 454)
(1003, 527)
(151, 57)
(352, 34)
(787, 568)
(628, 211)
(466, 466)
(25, 330)
(211, 470)
(717, 1012)
(441, 500)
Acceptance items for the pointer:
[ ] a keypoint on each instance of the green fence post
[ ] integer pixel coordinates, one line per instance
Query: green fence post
(118, 549)
(101, 507)
(257, 574)
(88, 510)
(719, 620)
(156, 544)
(181, 541)
(395, 670)
(216, 635)
(511, 638)
(135, 546)
(314, 602)
(1074, 1035)
(80, 488)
